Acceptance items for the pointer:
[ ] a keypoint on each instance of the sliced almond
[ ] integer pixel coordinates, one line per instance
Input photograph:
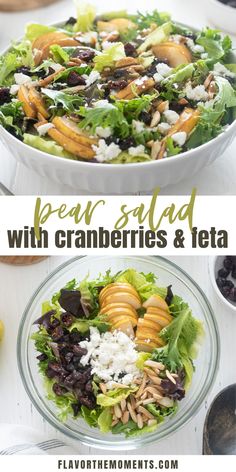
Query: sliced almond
(125, 417)
(145, 412)
(163, 106)
(132, 412)
(103, 388)
(142, 386)
(149, 400)
(114, 422)
(157, 396)
(139, 421)
(208, 80)
(155, 379)
(155, 149)
(123, 404)
(155, 119)
(154, 364)
(117, 411)
(170, 377)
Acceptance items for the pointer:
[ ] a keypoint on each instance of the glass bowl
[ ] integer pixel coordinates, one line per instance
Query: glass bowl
(168, 274)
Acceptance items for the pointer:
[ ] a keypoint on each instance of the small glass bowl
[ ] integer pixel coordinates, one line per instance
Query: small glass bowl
(168, 274)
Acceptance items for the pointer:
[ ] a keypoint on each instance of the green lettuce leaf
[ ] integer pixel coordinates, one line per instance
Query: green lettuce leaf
(35, 30)
(180, 74)
(109, 56)
(172, 150)
(161, 412)
(126, 158)
(139, 432)
(106, 117)
(46, 145)
(113, 397)
(159, 35)
(142, 358)
(83, 325)
(142, 283)
(63, 403)
(214, 44)
(59, 54)
(8, 64)
(70, 103)
(105, 420)
(86, 14)
(90, 416)
(145, 20)
(24, 53)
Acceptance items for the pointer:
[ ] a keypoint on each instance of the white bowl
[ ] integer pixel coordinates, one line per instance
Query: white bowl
(222, 16)
(215, 264)
(118, 179)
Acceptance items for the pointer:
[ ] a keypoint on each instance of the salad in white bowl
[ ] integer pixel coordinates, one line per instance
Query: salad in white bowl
(117, 88)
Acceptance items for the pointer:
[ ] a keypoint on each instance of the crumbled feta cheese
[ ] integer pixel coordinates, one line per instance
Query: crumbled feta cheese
(14, 89)
(204, 55)
(111, 354)
(88, 38)
(91, 78)
(141, 81)
(171, 116)
(22, 79)
(197, 93)
(176, 38)
(163, 69)
(180, 138)
(138, 126)
(105, 152)
(43, 129)
(158, 78)
(195, 48)
(103, 132)
(163, 128)
(103, 104)
(107, 44)
(220, 69)
(136, 151)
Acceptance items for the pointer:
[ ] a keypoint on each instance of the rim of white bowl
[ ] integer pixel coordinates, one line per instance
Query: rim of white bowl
(212, 267)
(84, 164)
(223, 5)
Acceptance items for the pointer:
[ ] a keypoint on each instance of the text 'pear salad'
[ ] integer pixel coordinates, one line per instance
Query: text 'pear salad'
(117, 351)
(117, 88)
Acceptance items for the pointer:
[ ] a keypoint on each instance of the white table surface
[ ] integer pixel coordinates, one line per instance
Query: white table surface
(17, 285)
(215, 180)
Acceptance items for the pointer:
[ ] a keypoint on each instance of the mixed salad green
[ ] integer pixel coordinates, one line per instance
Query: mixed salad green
(117, 351)
(117, 87)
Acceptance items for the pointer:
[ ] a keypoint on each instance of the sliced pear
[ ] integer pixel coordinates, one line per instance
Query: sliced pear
(28, 107)
(38, 102)
(116, 312)
(158, 319)
(175, 54)
(123, 297)
(159, 312)
(44, 42)
(147, 335)
(107, 308)
(115, 321)
(115, 287)
(156, 301)
(186, 123)
(125, 326)
(71, 130)
(117, 24)
(143, 323)
(136, 87)
(143, 346)
(47, 38)
(71, 146)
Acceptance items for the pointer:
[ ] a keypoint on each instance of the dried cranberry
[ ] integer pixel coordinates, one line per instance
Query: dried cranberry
(80, 377)
(69, 381)
(89, 402)
(57, 333)
(228, 263)
(58, 389)
(169, 295)
(24, 70)
(84, 54)
(71, 21)
(126, 143)
(76, 408)
(74, 79)
(119, 73)
(233, 273)
(225, 291)
(42, 357)
(5, 96)
(232, 294)
(130, 50)
(145, 117)
(68, 357)
(70, 367)
(220, 282)
(79, 351)
(75, 336)
(89, 387)
(117, 84)
(46, 319)
(223, 273)
(50, 373)
(229, 283)
(67, 319)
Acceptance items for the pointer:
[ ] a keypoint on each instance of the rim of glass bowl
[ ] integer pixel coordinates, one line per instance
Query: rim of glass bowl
(168, 429)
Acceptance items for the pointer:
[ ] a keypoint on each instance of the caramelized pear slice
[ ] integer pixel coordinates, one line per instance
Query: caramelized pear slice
(28, 107)
(144, 323)
(71, 146)
(125, 326)
(109, 307)
(71, 130)
(123, 297)
(156, 301)
(136, 87)
(175, 54)
(143, 346)
(159, 320)
(38, 102)
(115, 287)
(117, 24)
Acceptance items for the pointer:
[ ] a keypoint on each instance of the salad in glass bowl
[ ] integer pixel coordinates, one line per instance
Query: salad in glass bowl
(117, 88)
(117, 351)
